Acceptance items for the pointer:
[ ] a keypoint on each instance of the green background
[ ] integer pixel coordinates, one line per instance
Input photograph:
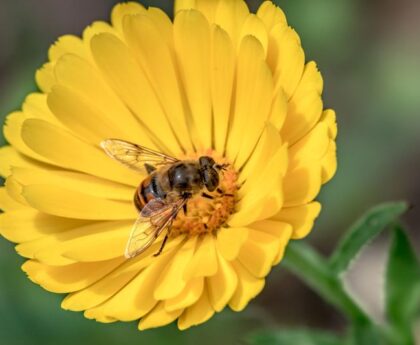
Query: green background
(369, 54)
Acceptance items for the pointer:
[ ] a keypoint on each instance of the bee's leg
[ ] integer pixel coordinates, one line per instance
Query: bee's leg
(163, 245)
(205, 195)
(222, 193)
(184, 207)
(149, 168)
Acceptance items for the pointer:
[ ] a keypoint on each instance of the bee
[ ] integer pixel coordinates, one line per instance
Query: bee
(169, 184)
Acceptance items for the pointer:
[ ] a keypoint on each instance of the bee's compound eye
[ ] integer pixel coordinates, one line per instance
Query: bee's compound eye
(206, 161)
(211, 179)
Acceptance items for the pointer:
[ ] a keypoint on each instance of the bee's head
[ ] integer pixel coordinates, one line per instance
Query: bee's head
(210, 172)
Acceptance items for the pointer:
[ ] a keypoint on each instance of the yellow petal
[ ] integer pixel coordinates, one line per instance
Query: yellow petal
(147, 41)
(248, 287)
(96, 28)
(271, 15)
(258, 252)
(273, 227)
(7, 203)
(301, 185)
(230, 240)
(158, 317)
(278, 110)
(305, 107)
(189, 295)
(138, 295)
(79, 182)
(87, 84)
(68, 278)
(329, 162)
(263, 196)
(124, 9)
(301, 218)
(267, 146)
(14, 189)
(282, 231)
(184, 5)
(27, 225)
(255, 27)
(192, 46)
(9, 158)
(74, 204)
(68, 151)
(230, 16)
(311, 148)
(164, 23)
(97, 241)
(80, 116)
(67, 44)
(252, 100)
(12, 132)
(31, 250)
(45, 78)
(207, 7)
(197, 313)
(254, 110)
(129, 81)
(222, 285)
(286, 58)
(35, 105)
(111, 284)
(204, 261)
(170, 282)
(222, 76)
(328, 117)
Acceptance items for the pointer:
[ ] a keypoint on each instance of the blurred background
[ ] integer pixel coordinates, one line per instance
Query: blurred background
(369, 54)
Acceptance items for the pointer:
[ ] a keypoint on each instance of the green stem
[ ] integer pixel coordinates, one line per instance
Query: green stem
(313, 269)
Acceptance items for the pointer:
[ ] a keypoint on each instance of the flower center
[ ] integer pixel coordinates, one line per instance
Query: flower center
(206, 214)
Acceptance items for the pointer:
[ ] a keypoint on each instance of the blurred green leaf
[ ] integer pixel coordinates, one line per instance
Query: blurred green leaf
(364, 230)
(365, 333)
(402, 287)
(295, 337)
(313, 269)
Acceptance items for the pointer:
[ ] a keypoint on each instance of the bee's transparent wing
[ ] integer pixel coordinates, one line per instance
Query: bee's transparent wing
(147, 229)
(135, 156)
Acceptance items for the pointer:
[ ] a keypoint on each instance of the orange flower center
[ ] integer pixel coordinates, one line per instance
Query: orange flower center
(206, 214)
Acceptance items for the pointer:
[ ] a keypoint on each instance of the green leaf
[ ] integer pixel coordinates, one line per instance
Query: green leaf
(295, 337)
(402, 287)
(313, 269)
(365, 333)
(363, 231)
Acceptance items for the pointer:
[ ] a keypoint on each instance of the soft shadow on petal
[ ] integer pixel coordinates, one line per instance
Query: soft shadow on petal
(198, 313)
(159, 316)
(68, 278)
(45, 198)
(301, 218)
(157, 59)
(68, 151)
(248, 287)
(192, 46)
(23, 225)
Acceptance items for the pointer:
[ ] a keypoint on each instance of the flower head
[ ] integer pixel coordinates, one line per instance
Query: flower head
(217, 81)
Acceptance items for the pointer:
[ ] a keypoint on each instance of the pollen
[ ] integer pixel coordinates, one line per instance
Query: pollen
(209, 212)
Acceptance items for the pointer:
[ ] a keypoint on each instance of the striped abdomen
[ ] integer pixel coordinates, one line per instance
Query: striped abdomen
(148, 190)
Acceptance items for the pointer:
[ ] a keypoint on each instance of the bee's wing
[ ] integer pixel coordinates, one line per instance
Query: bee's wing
(148, 228)
(135, 156)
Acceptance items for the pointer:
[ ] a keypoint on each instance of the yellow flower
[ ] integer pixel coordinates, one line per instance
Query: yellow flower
(217, 80)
